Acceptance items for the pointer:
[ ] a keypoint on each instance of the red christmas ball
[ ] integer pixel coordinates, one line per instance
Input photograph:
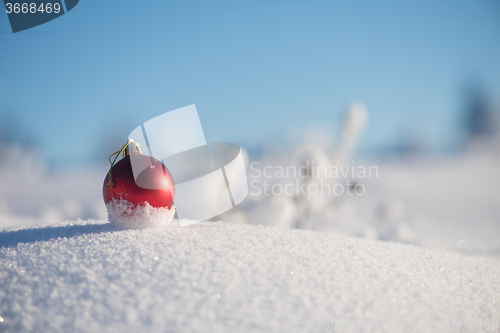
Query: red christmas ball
(154, 184)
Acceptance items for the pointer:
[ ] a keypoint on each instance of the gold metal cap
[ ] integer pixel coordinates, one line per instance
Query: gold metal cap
(132, 149)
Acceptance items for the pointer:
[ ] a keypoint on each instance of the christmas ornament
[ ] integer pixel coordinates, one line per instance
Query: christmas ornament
(142, 201)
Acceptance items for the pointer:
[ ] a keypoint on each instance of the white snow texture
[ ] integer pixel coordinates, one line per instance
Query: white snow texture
(124, 215)
(87, 276)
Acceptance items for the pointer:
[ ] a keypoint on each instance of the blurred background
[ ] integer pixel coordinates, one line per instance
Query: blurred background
(268, 76)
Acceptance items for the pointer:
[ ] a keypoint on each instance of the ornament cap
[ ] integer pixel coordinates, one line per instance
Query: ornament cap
(132, 148)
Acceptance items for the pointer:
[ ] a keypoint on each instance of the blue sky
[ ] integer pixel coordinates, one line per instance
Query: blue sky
(255, 69)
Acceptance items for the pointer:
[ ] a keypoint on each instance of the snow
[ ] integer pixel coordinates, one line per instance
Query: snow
(87, 276)
(122, 214)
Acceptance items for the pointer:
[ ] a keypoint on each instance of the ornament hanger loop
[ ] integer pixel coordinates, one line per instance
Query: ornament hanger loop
(110, 180)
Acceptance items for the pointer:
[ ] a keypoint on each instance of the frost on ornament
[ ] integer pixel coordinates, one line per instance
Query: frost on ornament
(123, 214)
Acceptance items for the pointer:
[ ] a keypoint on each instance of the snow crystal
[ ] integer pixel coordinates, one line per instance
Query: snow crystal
(124, 215)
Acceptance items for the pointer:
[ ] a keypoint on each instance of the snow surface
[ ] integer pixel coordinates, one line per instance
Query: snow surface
(86, 276)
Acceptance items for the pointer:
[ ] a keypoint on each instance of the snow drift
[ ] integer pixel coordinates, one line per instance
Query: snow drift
(86, 276)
